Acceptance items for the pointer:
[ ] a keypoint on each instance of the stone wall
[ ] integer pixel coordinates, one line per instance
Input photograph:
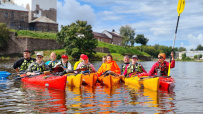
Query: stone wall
(45, 27)
(102, 49)
(14, 19)
(17, 44)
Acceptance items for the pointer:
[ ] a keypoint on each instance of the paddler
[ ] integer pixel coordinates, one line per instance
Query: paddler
(77, 63)
(38, 66)
(126, 61)
(53, 61)
(86, 64)
(67, 67)
(161, 66)
(22, 64)
(110, 64)
(134, 67)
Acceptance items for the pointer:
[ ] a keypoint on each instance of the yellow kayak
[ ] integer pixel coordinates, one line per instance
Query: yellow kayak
(109, 80)
(74, 80)
(144, 81)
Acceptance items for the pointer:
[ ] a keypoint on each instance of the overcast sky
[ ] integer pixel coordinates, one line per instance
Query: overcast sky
(156, 19)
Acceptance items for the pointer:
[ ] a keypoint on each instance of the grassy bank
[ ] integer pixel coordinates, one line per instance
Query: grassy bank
(35, 34)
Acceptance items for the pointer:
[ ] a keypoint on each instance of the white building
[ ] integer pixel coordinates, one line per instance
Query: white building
(190, 54)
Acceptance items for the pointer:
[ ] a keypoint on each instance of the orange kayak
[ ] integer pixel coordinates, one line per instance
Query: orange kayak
(109, 80)
(89, 79)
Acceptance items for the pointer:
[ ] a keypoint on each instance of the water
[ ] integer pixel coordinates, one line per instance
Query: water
(186, 97)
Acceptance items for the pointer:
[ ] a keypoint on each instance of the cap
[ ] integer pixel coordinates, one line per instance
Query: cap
(134, 56)
(163, 55)
(64, 56)
(81, 55)
(39, 54)
(26, 50)
(84, 57)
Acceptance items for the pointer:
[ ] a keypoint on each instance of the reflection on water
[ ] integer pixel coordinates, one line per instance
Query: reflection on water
(17, 97)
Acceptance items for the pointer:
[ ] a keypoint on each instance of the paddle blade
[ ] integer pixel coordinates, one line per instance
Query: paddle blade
(181, 6)
(169, 69)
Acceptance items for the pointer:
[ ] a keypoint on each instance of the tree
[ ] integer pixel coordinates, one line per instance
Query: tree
(181, 49)
(183, 56)
(140, 39)
(77, 38)
(199, 47)
(128, 35)
(4, 36)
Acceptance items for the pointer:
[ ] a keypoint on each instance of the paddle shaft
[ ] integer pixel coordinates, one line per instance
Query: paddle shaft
(175, 33)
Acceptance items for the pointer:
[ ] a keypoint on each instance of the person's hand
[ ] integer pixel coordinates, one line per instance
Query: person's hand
(172, 55)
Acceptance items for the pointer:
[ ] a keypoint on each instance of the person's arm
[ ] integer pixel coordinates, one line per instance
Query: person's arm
(117, 68)
(69, 67)
(126, 70)
(143, 70)
(151, 71)
(17, 64)
(100, 70)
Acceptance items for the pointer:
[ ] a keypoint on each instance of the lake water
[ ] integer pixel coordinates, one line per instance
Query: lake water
(186, 97)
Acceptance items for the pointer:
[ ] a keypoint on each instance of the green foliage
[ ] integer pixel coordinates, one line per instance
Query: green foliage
(35, 34)
(199, 47)
(128, 35)
(117, 57)
(181, 49)
(4, 36)
(183, 56)
(140, 39)
(156, 49)
(77, 38)
(195, 57)
(198, 56)
(121, 50)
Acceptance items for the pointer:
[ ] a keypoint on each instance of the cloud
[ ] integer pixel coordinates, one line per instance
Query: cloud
(194, 41)
(70, 11)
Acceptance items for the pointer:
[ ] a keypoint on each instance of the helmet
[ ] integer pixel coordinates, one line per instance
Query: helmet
(64, 56)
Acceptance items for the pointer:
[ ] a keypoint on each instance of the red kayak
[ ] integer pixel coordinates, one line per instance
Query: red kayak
(166, 83)
(50, 81)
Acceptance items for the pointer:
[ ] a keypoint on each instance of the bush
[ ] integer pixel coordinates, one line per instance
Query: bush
(4, 36)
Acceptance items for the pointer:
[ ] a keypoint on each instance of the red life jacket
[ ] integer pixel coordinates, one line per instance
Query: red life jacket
(163, 68)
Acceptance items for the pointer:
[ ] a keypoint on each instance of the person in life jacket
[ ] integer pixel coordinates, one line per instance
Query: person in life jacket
(22, 64)
(134, 67)
(77, 63)
(53, 61)
(37, 66)
(110, 64)
(162, 65)
(126, 60)
(86, 64)
(67, 67)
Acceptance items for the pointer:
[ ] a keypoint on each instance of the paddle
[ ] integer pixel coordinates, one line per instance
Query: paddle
(180, 8)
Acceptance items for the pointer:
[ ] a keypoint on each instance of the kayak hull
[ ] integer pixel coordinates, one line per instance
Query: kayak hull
(50, 81)
(74, 80)
(109, 80)
(166, 83)
(144, 81)
(89, 79)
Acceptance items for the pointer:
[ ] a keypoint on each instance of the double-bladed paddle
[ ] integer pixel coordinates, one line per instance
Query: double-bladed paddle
(180, 8)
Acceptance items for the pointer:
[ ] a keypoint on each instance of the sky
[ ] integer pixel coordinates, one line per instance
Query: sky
(156, 19)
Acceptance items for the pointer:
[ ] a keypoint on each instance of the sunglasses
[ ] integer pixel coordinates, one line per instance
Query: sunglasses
(39, 57)
(160, 57)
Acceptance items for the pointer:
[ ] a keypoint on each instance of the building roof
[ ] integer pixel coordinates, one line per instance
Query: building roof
(44, 19)
(10, 6)
(100, 35)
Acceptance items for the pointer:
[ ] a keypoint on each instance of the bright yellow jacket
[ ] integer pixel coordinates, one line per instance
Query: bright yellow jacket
(112, 66)
(76, 64)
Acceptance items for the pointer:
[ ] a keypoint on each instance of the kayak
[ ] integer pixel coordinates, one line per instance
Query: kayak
(109, 80)
(147, 82)
(4, 74)
(46, 100)
(166, 83)
(74, 80)
(50, 81)
(89, 79)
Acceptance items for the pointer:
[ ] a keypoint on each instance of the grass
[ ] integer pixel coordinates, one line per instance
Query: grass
(121, 50)
(35, 34)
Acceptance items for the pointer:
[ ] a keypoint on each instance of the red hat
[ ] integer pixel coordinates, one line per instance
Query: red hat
(64, 56)
(84, 57)
(81, 55)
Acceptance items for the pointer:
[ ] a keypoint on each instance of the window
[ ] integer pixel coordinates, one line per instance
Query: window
(12, 15)
(6, 15)
(37, 11)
